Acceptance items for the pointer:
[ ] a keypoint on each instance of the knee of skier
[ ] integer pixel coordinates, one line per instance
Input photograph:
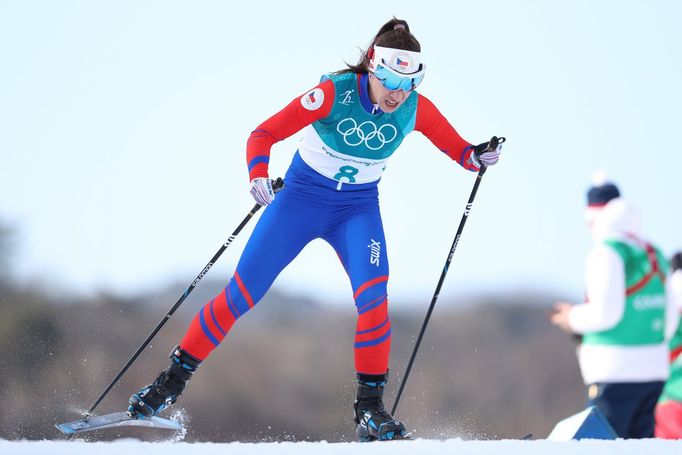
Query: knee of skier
(371, 295)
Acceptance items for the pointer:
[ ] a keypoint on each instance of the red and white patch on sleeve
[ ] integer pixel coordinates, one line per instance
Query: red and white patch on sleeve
(313, 99)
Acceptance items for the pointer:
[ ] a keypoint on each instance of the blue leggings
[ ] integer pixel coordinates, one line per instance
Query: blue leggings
(628, 406)
(311, 206)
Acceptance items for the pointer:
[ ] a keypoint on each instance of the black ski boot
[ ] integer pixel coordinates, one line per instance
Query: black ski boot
(372, 420)
(166, 389)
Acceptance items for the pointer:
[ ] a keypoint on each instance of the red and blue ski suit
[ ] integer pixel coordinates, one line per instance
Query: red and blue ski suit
(331, 193)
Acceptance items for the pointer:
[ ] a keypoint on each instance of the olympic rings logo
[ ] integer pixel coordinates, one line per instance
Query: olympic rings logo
(367, 132)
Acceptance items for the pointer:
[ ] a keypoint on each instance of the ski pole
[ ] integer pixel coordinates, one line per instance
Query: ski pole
(276, 186)
(494, 142)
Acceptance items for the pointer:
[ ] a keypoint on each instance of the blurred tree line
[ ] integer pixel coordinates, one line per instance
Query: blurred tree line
(489, 367)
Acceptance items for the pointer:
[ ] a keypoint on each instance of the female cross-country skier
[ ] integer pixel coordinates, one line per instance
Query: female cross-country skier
(354, 120)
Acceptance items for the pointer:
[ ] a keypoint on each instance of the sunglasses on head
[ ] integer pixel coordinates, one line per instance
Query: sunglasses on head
(393, 80)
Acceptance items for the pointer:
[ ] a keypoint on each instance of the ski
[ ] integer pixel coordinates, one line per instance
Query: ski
(117, 419)
(405, 437)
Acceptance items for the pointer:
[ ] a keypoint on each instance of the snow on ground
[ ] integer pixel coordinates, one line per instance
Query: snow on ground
(419, 446)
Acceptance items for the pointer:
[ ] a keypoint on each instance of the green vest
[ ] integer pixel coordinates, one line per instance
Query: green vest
(643, 321)
(351, 130)
(673, 387)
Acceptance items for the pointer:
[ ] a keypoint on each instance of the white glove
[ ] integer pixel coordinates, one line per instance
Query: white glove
(261, 190)
(484, 154)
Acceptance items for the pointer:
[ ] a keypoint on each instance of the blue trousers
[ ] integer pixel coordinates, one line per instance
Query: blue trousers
(628, 406)
(311, 206)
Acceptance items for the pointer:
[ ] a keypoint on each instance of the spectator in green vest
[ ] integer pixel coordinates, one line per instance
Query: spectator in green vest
(669, 408)
(626, 320)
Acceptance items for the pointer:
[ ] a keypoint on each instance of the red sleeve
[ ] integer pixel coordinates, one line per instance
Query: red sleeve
(436, 127)
(302, 111)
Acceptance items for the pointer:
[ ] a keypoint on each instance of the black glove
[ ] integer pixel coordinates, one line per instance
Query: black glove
(488, 153)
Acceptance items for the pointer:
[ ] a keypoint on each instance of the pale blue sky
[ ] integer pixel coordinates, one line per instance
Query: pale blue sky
(123, 126)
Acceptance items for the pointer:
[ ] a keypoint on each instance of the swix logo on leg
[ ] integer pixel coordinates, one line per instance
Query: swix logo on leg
(374, 252)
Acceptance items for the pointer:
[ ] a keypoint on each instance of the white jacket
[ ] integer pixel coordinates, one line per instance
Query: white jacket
(675, 288)
(605, 289)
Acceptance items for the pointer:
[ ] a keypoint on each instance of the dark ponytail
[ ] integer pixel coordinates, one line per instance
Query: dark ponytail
(394, 33)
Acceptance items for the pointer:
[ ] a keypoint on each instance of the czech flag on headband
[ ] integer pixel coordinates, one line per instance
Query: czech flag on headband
(311, 96)
(400, 60)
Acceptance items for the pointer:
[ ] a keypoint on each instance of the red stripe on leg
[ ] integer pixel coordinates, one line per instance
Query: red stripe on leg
(195, 341)
(372, 318)
(374, 359)
(368, 284)
(243, 290)
(222, 312)
(373, 325)
(209, 318)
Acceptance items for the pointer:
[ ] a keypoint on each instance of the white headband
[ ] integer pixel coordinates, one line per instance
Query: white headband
(402, 61)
